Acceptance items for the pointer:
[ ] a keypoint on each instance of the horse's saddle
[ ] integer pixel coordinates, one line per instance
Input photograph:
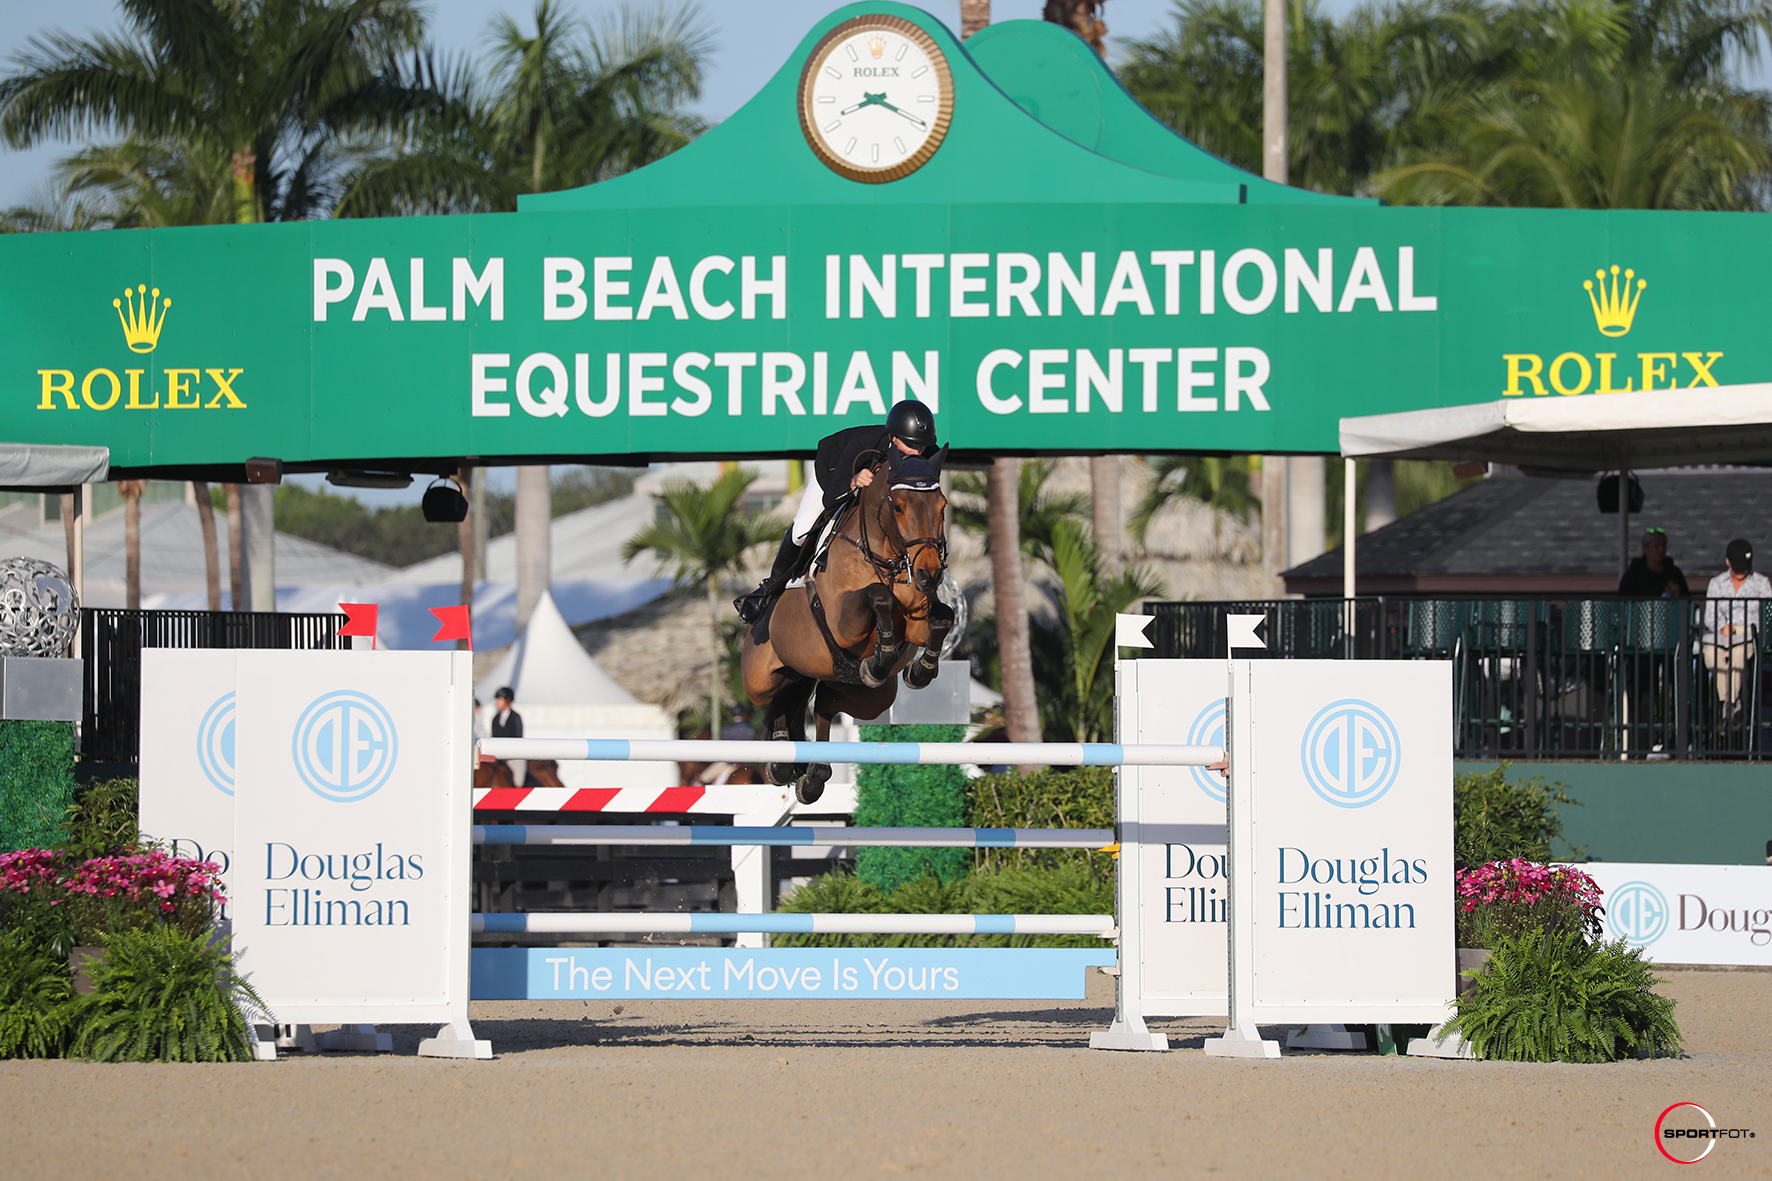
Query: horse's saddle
(824, 531)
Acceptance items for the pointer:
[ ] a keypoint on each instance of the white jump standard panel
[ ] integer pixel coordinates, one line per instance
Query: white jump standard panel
(1340, 845)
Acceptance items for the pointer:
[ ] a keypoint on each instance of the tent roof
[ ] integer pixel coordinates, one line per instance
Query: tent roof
(548, 666)
(1645, 429)
(49, 467)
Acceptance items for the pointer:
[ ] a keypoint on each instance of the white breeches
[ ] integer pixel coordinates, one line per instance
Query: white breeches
(811, 505)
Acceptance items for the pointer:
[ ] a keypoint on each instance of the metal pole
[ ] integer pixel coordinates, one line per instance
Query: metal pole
(1624, 515)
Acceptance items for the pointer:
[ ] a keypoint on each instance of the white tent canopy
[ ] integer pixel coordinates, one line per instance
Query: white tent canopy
(562, 693)
(1596, 433)
(41, 465)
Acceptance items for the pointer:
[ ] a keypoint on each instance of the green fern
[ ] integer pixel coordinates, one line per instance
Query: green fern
(164, 995)
(35, 991)
(1548, 995)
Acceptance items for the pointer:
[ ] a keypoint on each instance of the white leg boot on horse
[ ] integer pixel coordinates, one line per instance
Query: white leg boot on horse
(860, 620)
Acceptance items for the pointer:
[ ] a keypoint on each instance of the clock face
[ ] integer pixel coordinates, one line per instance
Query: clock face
(876, 98)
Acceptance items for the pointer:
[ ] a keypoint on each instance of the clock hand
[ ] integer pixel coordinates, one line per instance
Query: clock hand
(870, 100)
(906, 114)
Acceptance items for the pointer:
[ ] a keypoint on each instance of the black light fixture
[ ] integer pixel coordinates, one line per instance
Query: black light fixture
(444, 502)
(355, 478)
(1607, 494)
(264, 471)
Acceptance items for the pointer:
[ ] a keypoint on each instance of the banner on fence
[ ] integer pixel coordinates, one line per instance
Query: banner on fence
(187, 755)
(350, 835)
(1341, 840)
(784, 973)
(1689, 914)
(1172, 833)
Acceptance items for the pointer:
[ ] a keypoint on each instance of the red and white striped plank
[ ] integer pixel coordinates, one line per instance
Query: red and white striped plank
(718, 799)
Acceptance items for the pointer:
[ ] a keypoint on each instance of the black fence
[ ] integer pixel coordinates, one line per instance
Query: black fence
(1539, 678)
(111, 642)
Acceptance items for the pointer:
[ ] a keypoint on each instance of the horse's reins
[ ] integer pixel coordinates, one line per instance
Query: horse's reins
(892, 571)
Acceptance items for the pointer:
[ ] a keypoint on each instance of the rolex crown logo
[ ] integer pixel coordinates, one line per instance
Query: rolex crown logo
(1615, 309)
(876, 46)
(141, 326)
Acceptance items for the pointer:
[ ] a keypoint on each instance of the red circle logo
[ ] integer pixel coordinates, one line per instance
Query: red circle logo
(1709, 1143)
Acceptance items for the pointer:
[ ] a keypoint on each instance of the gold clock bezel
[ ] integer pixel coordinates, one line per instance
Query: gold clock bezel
(943, 117)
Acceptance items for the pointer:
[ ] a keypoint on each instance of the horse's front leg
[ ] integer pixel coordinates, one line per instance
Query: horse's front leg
(923, 669)
(786, 721)
(877, 669)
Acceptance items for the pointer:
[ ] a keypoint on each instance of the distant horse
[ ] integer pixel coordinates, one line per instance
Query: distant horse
(866, 614)
(546, 773)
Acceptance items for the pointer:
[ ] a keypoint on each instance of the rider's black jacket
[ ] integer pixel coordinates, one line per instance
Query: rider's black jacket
(843, 454)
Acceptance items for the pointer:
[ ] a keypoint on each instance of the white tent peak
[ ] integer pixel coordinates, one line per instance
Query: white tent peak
(547, 666)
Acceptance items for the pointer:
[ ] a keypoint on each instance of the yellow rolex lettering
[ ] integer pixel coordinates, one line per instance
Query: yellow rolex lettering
(57, 381)
(226, 389)
(176, 388)
(1523, 367)
(1701, 368)
(1556, 373)
(1605, 386)
(1653, 371)
(135, 392)
(116, 389)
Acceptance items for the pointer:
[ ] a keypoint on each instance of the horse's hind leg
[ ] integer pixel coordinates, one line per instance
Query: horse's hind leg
(786, 718)
(810, 784)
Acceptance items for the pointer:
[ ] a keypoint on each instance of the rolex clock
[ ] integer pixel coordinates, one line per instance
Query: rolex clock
(876, 98)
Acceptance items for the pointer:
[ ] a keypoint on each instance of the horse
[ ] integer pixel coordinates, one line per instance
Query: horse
(867, 612)
(496, 773)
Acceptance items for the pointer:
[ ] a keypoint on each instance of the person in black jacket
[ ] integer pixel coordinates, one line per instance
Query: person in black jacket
(844, 462)
(1654, 575)
(508, 723)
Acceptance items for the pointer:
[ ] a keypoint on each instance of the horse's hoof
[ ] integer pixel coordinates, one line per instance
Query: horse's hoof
(810, 786)
(919, 676)
(780, 774)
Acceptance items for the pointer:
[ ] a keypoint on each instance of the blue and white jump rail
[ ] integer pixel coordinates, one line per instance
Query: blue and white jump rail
(825, 834)
(702, 750)
(615, 922)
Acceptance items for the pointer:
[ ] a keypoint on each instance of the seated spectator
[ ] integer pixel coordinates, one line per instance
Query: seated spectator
(1730, 629)
(1653, 575)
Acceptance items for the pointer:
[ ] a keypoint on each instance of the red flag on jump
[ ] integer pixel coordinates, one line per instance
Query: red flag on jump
(455, 625)
(359, 620)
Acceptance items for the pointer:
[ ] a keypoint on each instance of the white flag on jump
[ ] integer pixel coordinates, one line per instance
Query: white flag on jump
(1241, 630)
(1129, 631)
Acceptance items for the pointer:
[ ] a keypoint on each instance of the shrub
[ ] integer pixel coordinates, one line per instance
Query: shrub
(1495, 820)
(64, 903)
(36, 782)
(1083, 798)
(1548, 995)
(164, 995)
(909, 796)
(35, 991)
(1066, 889)
(103, 819)
(1504, 898)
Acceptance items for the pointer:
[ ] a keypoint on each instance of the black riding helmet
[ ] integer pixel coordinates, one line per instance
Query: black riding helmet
(912, 422)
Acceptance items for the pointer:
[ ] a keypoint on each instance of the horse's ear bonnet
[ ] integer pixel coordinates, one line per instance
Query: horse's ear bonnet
(915, 474)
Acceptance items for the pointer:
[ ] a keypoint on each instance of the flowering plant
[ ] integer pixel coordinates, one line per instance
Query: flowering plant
(1509, 897)
(76, 902)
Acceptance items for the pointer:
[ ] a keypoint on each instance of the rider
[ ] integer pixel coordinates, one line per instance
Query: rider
(844, 461)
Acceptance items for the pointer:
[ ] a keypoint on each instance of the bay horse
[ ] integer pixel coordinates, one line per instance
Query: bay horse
(494, 773)
(867, 612)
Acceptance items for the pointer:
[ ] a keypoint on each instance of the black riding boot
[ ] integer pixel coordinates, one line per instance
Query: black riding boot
(750, 607)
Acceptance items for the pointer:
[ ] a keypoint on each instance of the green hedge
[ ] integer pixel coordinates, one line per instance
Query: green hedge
(1083, 798)
(910, 796)
(36, 783)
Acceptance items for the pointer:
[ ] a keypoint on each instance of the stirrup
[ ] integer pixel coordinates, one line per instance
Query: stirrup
(750, 607)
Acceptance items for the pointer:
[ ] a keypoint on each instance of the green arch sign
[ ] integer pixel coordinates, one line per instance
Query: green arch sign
(1060, 274)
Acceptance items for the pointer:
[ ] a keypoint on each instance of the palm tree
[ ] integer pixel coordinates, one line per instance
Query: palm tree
(1072, 655)
(1359, 92)
(131, 491)
(705, 534)
(1037, 511)
(1627, 107)
(1021, 708)
(567, 106)
(1221, 482)
(271, 87)
(211, 564)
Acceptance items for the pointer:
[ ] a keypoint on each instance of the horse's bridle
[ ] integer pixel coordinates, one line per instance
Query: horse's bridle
(892, 571)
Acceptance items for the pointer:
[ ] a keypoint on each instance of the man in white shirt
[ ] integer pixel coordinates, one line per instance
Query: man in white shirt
(1730, 627)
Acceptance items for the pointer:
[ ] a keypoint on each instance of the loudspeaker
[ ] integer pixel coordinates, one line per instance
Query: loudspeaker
(444, 502)
(1608, 494)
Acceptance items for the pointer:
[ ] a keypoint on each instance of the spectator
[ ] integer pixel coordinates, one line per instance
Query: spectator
(508, 723)
(1730, 630)
(1653, 575)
